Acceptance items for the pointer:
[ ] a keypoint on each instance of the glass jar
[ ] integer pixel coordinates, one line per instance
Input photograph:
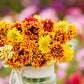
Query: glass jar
(29, 75)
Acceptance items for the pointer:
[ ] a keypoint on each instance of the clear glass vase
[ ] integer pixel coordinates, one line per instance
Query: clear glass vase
(29, 75)
(46, 80)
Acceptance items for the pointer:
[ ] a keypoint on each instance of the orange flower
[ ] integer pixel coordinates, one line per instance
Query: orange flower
(31, 27)
(4, 27)
(38, 60)
(17, 25)
(48, 25)
(61, 52)
(19, 59)
(60, 36)
(72, 31)
(57, 51)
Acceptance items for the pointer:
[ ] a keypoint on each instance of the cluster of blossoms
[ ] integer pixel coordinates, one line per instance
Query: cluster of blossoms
(35, 42)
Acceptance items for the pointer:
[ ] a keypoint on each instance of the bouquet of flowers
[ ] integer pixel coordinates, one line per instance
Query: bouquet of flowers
(35, 42)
